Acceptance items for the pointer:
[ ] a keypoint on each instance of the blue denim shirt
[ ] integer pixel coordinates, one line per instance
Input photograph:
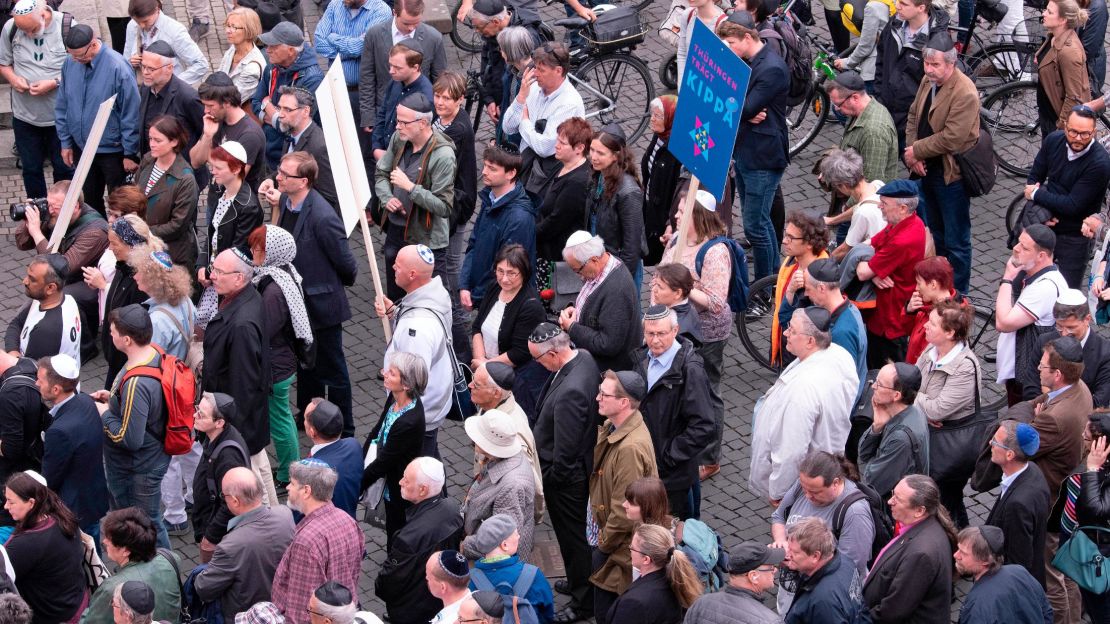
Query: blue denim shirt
(83, 89)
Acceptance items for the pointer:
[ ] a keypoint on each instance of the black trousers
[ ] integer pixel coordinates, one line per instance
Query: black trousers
(330, 378)
(603, 598)
(841, 38)
(566, 507)
(881, 349)
(1073, 255)
(117, 28)
(679, 502)
(105, 174)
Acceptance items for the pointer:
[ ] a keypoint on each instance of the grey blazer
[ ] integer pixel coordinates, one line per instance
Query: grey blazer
(373, 71)
(241, 572)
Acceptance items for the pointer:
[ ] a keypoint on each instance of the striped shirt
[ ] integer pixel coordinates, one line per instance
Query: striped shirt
(340, 34)
(155, 175)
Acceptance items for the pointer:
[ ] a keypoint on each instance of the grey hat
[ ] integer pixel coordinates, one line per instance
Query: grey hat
(1042, 235)
(616, 132)
(850, 80)
(133, 318)
(413, 44)
(161, 48)
(494, 530)
(285, 33)
(139, 596)
(490, 603)
(80, 35)
(327, 420)
(633, 383)
(824, 270)
(748, 556)
(502, 374)
(417, 102)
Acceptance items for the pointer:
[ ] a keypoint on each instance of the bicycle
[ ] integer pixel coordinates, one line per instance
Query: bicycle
(991, 65)
(804, 127)
(615, 85)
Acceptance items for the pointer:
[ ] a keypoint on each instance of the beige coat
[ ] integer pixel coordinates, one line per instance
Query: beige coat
(1063, 74)
(948, 393)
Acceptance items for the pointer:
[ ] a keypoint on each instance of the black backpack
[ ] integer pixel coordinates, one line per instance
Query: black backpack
(884, 525)
(796, 53)
(34, 447)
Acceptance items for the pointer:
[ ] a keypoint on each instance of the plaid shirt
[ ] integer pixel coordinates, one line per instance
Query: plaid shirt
(872, 134)
(327, 546)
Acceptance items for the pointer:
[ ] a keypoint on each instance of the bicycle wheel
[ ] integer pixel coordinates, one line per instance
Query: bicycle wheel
(806, 119)
(754, 323)
(983, 340)
(616, 88)
(668, 71)
(463, 34)
(999, 64)
(1011, 115)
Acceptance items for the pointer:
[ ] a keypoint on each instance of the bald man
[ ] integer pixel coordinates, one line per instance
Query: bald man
(420, 326)
(242, 568)
(31, 57)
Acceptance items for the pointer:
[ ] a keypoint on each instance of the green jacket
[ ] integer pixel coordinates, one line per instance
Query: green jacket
(158, 573)
(429, 222)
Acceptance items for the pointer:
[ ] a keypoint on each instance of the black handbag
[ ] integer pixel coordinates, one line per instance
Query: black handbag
(955, 445)
(863, 414)
(978, 165)
(1031, 214)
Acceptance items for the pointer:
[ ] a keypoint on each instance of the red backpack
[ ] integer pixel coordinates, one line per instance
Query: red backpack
(179, 387)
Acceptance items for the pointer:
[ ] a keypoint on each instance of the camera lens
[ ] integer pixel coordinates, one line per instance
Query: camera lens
(18, 212)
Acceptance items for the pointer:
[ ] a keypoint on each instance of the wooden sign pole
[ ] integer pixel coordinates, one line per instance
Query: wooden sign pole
(684, 222)
(69, 204)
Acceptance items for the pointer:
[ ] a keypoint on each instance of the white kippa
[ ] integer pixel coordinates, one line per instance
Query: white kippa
(37, 477)
(65, 366)
(1071, 297)
(426, 254)
(237, 151)
(706, 200)
(23, 7)
(578, 238)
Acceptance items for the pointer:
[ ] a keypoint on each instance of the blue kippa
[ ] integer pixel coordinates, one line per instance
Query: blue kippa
(1028, 439)
(899, 188)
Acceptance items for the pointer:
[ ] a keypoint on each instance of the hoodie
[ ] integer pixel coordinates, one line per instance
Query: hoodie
(305, 72)
(420, 327)
(510, 219)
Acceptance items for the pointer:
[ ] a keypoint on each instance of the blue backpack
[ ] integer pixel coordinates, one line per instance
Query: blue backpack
(518, 610)
(738, 284)
(702, 546)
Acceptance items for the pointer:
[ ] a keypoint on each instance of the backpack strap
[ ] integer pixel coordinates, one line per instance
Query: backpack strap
(516, 614)
(480, 580)
(524, 581)
(180, 328)
(699, 259)
(210, 478)
(841, 510)
(168, 555)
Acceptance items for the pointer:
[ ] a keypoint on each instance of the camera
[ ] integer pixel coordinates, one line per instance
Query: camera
(19, 211)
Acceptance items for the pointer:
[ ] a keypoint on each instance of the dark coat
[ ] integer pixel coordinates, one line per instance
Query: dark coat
(1022, 514)
(1071, 189)
(237, 363)
(511, 220)
(324, 261)
(373, 69)
(461, 133)
(22, 415)
(210, 512)
(433, 525)
(1093, 506)
(660, 184)
(179, 100)
(561, 212)
(171, 208)
(679, 414)
(765, 145)
(280, 336)
(404, 444)
(619, 220)
(75, 441)
(241, 218)
(346, 457)
(564, 443)
(648, 600)
(899, 68)
(123, 291)
(1096, 368)
(912, 582)
(304, 72)
(522, 314)
(608, 325)
(312, 142)
(832, 594)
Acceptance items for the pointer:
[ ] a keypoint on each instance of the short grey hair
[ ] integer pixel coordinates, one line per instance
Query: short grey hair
(14, 610)
(842, 168)
(582, 252)
(1010, 427)
(949, 55)
(558, 342)
(671, 316)
(304, 98)
(516, 44)
(316, 475)
(909, 202)
(127, 611)
(413, 371)
(823, 339)
(429, 472)
(338, 614)
(249, 493)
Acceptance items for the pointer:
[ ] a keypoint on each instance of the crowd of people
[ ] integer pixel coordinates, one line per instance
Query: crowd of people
(587, 409)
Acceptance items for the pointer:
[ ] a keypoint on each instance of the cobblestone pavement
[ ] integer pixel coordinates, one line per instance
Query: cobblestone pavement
(727, 506)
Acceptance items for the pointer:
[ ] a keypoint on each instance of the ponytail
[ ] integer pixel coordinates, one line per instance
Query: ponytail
(658, 544)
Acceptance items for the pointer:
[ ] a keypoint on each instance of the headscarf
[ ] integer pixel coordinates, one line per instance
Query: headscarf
(280, 251)
(669, 102)
(126, 233)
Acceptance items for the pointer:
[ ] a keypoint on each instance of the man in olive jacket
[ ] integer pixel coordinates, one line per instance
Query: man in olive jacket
(623, 454)
(677, 407)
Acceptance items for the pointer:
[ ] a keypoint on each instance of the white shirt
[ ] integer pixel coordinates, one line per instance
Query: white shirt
(1007, 481)
(449, 613)
(1037, 299)
(491, 327)
(867, 220)
(399, 36)
(191, 65)
(562, 104)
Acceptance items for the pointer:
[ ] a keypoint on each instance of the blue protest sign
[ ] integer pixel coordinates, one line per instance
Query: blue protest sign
(707, 117)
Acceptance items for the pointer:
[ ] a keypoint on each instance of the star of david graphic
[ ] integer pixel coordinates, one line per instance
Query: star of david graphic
(702, 141)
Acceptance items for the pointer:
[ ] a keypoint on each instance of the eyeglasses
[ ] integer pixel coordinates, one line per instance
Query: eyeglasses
(283, 174)
(510, 273)
(290, 109)
(214, 271)
(1000, 445)
(841, 102)
(582, 266)
(879, 385)
(317, 614)
(233, 27)
(474, 620)
(83, 51)
(652, 335)
(406, 123)
(788, 237)
(1044, 367)
(147, 69)
(540, 356)
(608, 396)
(1075, 134)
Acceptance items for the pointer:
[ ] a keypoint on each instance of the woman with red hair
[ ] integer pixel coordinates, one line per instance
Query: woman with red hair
(659, 170)
(935, 283)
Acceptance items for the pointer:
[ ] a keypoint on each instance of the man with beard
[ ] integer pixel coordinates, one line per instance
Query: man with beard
(225, 120)
(31, 57)
(295, 108)
(1001, 593)
(164, 93)
(51, 323)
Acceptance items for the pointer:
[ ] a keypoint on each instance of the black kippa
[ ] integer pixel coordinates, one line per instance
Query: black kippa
(417, 102)
(502, 374)
(79, 36)
(490, 602)
(225, 406)
(616, 132)
(489, 8)
(940, 41)
(219, 79)
(454, 564)
(161, 48)
(634, 384)
(133, 318)
(824, 270)
(139, 596)
(1042, 235)
(994, 537)
(909, 376)
(1069, 349)
(850, 80)
(742, 18)
(820, 317)
(544, 332)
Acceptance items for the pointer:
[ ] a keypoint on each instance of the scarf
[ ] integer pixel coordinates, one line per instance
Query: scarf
(280, 251)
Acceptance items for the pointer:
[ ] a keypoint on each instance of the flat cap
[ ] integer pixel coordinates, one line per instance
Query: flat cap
(80, 35)
(502, 374)
(1042, 235)
(747, 556)
(633, 383)
(139, 596)
(261, 613)
(490, 603)
(161, 48)
(899, 188)
(493, 530)
(285, 33)
(327, 420)
(824, 270)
